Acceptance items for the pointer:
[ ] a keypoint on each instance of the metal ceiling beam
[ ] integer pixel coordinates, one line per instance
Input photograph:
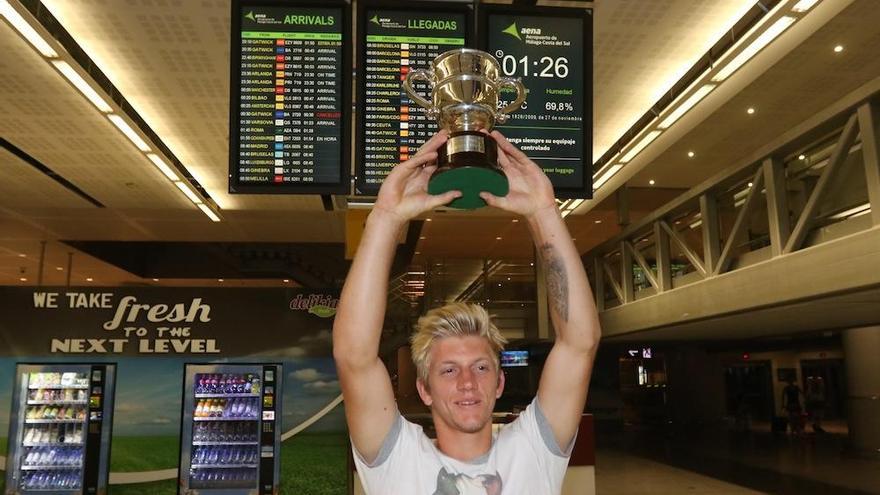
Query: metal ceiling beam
(739, 225)
(777, 204)
(688, 252)
(841, 149)
(869, 124)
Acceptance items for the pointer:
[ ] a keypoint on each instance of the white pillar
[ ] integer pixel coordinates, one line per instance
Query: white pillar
(861, 347)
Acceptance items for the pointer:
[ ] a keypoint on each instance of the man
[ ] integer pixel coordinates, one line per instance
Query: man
(791, 403)
(456, 353)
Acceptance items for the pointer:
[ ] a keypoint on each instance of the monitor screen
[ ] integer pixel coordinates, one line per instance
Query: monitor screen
(393, 41)
(551, 51)
(514, 358)
(290, 96)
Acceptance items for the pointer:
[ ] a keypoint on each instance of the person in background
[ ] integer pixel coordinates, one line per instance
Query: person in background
(456, 352)
(791, 404)
(815, 401)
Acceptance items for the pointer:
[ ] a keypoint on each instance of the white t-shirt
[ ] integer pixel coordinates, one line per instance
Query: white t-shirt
(524, 460)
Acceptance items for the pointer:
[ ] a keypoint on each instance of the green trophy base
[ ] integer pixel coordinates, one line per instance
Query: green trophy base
(468, 163)
(471, 181)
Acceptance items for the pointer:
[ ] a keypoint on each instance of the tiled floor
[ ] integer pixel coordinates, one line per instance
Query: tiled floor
(618, 473)
(689, 461)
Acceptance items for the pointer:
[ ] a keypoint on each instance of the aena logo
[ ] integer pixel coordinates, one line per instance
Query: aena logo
(513, 31)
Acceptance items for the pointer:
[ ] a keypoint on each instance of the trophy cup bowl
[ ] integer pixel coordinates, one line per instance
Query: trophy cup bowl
(465, 88)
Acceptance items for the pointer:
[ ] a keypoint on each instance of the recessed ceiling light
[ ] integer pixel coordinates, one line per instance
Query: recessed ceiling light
(532, 263)
(691, 154)
(598, 221)
(750, 110)
(89, 279)
(219, 279)
(497, 238)
(651, 182)
(429, 219)
(286, 281)
(155, 280)
(499, 285)
(802, 157)
(515, 220)
(423, 238)
(508, 279)
(23, 279)
(59, 268)
(750, 184)
(22, 255)
(418, 252)
(838, 48)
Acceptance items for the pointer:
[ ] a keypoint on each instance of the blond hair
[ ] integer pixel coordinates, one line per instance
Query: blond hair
(452, 320)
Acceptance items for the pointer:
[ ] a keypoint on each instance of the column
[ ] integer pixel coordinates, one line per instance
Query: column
(860, 347)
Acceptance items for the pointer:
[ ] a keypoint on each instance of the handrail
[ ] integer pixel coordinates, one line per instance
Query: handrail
(855, 114)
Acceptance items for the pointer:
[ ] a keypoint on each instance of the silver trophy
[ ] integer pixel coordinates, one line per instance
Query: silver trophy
(465, 87)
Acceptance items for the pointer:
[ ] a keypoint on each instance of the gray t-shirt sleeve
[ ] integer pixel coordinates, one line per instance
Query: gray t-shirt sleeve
(387, 444)
(547, 433)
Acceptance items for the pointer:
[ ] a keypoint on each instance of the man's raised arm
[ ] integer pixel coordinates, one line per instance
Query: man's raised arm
(562, 391)
(369, 399)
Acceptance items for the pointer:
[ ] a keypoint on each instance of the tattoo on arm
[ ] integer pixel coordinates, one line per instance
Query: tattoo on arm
(557, 280)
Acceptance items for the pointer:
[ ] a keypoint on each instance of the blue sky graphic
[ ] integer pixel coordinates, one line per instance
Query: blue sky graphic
(149, 392)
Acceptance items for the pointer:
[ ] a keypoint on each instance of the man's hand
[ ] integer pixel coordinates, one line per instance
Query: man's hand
(404, 192)
(530, 189)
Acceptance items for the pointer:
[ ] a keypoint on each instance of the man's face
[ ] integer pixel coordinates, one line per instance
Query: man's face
(463, 383)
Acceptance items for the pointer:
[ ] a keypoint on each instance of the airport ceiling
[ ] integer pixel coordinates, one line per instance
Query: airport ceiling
(170, 62)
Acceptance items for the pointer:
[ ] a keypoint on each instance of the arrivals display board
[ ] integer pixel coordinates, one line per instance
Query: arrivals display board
(551, 51)
(394, 38)
(290, 97)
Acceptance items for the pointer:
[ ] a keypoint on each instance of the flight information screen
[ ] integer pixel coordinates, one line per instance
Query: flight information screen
(552, 53)
(393, 41)
(290, 93)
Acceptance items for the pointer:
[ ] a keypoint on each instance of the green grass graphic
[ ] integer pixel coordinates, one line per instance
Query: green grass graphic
(311, 463)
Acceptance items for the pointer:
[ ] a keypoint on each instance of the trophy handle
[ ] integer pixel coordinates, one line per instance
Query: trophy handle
(517, 84)
(424, 75)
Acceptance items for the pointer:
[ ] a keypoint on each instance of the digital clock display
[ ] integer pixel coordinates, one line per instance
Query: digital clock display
(552, 54)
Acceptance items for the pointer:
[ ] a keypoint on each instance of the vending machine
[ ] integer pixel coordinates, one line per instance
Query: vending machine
(60, 428)
(230, 436)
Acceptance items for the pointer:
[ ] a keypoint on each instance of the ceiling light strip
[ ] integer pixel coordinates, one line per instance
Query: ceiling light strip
(568, 206)
(753, 48)
(645, 141)
(26, 30)
(184, 187)
(686, 105)
(804, 5)
(88, 91)
(209, 212)
(79, 83)
(130, 133)
(700, 72)
(606, 175)
(163, 167)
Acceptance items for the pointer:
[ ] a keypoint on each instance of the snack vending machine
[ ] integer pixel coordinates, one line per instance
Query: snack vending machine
(230, 432)
(60, 428)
